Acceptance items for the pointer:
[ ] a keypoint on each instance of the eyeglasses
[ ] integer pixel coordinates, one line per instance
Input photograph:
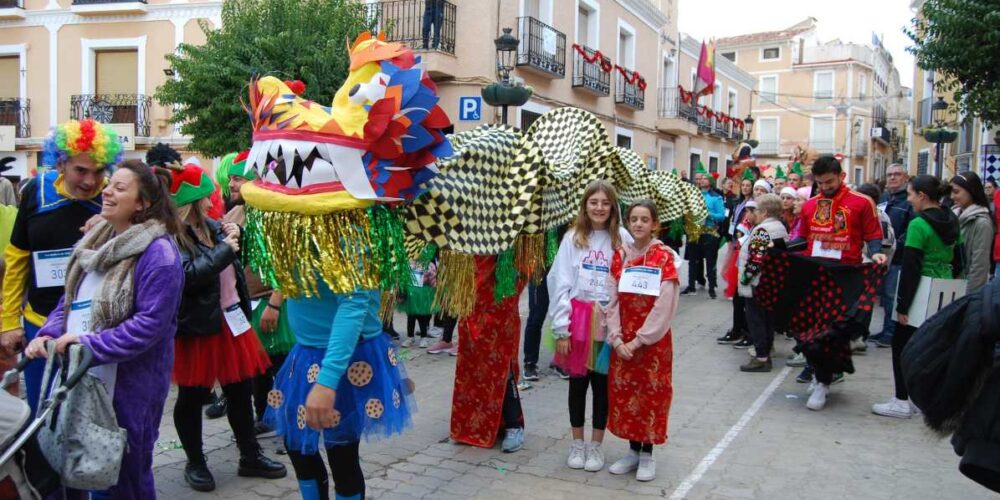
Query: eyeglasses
(894, 174)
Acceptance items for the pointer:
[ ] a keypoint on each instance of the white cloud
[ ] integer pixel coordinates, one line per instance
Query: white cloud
(848, 20)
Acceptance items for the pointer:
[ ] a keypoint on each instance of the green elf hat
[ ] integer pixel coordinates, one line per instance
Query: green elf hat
(780, 173)
(233, 165)
(190, 184)
(797, 168)
(700, 169)
(747, 175)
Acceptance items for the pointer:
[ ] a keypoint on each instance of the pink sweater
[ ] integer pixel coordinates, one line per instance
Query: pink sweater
(657, 322)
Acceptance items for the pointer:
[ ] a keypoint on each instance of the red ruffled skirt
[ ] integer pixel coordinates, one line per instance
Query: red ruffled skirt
(201, 361)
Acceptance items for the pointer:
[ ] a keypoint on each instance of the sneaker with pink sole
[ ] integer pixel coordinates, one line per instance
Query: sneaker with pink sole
(439, 347)
(454, 349)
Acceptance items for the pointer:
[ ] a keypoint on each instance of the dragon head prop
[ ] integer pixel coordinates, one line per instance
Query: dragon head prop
(328, 176)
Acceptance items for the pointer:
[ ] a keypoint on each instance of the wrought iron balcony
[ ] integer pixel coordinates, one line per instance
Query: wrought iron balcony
(881, 133)
(11, 4)
(420, 24)
(672, 106)
(736, 133)
(14, 112)
(629, 93)
(719, 129)
(704, 124)
(860, 147)
(592, 70)
(113, 108)
(542, 47)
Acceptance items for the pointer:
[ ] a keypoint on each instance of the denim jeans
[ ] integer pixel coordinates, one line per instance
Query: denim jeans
(538, 307)
(433, 17)
(887, 296)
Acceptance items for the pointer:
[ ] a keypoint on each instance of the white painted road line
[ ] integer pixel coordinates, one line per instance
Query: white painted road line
(706, 463)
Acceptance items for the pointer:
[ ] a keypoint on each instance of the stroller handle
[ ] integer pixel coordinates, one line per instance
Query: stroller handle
(86, 357)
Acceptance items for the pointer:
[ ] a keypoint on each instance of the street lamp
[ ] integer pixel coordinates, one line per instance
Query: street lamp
(749, 123)
(939, 135)
(502, 93)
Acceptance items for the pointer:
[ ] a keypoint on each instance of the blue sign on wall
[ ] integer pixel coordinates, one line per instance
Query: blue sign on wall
(470, 108)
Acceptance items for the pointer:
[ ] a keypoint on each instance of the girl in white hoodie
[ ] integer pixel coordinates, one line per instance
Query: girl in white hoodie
(578, 295)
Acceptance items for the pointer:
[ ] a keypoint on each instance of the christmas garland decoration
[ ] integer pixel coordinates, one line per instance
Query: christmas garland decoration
(606, 65)
(687, 97)
(632, 79)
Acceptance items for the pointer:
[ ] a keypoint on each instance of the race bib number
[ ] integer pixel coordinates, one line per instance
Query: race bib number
(592, 279)
(237, 321)
(50, 267)
(819, 251)
(79, 318)
(641, 280)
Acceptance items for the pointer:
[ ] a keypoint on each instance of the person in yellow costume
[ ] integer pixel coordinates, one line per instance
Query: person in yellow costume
(54, 207)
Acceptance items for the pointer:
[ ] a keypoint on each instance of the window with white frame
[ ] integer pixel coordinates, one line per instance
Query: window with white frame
(717, 97)
(10, 77)
(862, 86)
(732, 107)
(587, 23)
(731, 55)
(767, 135)
(713, 164)
(821, 136)
(626, 45)
(769, 88)
(770, 53)
(823, 84)
(666, 156)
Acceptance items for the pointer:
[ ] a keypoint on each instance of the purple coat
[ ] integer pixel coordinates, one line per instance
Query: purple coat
(143, 347)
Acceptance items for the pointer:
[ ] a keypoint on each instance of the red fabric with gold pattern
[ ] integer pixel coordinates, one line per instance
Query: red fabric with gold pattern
(487, 353)
(640, 390)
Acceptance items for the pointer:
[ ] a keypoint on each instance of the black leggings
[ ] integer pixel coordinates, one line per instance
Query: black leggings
(411, 323)
(740, 327)
(643, 447)
(187, 418)
(345, 466)
(899, 339)
(263, 383)
(447, 324)
(578, 399)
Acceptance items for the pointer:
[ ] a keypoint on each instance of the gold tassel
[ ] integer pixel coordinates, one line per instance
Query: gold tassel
(385, 311)
(529, 255)
(456, 284)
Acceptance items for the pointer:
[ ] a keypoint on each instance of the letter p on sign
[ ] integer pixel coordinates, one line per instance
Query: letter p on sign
(470, 108)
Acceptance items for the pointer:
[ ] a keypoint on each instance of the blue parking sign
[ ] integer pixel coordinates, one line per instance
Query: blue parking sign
(470, 108)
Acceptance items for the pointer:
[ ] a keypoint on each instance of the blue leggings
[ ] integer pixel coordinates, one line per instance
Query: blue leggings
(33, 371)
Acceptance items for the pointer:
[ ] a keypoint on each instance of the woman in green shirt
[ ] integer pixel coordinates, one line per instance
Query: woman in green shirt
(931, 249)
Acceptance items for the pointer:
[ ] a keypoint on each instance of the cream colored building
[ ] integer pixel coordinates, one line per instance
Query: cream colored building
(975, 149)
(833, 98)
(62, 59)
(695, 134)
(557, 37)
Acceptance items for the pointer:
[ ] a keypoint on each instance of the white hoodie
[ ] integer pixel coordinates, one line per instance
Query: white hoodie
(564, 283)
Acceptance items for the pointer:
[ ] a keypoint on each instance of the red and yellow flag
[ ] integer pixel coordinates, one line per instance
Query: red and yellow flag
(706, 70)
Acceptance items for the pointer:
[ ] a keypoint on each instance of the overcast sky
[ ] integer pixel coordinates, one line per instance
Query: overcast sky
(848, 20)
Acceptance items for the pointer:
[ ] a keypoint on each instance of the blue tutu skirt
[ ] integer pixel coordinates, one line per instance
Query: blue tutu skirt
(374, 398)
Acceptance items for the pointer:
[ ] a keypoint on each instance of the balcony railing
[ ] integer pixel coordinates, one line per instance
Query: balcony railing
(823, 146)
(736, 134)
(672, 106)
(591, 75)
(720, 130)
(767, 148)
(420, 24)
(542, 47)
(14, 112)
(95, 2)
(924, 113)
(113, 108)
(860, 147)
(11, 4)
(629, 94)
(704, 124)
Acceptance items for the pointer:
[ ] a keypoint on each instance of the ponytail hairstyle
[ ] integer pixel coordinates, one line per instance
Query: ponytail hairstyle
(154, 192)
(930, 186)
(582, 226)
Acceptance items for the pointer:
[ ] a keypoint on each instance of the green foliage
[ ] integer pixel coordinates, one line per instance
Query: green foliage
(290, 39)
(960, 39)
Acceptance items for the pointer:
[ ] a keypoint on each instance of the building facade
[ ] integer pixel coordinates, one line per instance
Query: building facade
(976, 149)
(708, 129)
(830, 98)
(62, 59)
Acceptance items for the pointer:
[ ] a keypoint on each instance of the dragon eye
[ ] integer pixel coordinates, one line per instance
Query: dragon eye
(354, 89)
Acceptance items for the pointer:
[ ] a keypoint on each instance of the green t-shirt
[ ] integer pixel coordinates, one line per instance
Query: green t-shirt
(937, 256)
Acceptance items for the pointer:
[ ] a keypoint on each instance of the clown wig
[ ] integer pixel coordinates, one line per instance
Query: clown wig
(97, 140)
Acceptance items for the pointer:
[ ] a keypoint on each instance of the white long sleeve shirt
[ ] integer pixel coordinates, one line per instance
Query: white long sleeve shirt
(579, 273)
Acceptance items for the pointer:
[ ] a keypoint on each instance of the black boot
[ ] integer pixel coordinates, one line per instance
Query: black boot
(253, 463)
(217, 409)
(198, 476)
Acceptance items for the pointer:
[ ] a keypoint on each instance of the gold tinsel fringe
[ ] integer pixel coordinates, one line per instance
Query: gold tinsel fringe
(334, 247)
(529, 256)
(456, 284)
(385, 311)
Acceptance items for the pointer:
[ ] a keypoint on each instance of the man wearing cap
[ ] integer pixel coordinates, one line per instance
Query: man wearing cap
(702, 255)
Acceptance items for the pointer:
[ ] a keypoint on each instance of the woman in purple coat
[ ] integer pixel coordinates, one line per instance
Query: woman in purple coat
(123, 288)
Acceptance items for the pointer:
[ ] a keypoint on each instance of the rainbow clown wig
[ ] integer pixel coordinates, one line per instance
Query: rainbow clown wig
(329, 177)
(95, 139)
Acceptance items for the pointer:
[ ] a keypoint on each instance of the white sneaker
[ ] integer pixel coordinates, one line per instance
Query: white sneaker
(896, 408)
(858, 346)
(817, 400)
(812, 386)
(577, 455)
(407, 342)
(595, 458)
(435, 331)
(647, 468)
(626, 464)
(425, 342)
(752, 351)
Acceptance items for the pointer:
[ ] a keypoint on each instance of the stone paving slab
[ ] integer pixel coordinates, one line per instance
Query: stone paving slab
(784, 451)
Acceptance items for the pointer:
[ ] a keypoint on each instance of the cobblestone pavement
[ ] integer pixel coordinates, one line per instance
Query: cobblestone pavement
(733, 435)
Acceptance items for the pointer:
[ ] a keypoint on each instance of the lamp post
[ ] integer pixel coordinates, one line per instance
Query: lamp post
(939, 134)
(502, 93)
(748, 121)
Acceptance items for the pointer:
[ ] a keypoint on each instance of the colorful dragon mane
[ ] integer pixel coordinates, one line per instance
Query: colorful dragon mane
(329, 177)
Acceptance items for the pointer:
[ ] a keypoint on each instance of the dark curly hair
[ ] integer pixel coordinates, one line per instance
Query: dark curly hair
(162, 155)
